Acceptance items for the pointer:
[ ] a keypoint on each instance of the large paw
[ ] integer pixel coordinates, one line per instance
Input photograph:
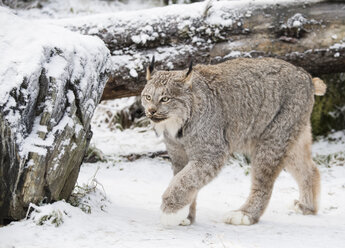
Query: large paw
(178, 218)
(301, 208)
(238, 218)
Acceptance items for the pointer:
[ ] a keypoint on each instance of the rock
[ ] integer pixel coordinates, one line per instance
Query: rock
(21, 3)
(51, 81)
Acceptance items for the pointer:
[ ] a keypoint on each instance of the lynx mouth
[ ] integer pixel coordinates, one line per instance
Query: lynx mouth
(157, 119)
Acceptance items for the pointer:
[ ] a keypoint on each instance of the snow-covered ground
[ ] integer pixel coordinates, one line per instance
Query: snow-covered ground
(125, 205)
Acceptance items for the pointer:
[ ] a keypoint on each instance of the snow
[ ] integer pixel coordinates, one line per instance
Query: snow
(130, 216)
(24, 50)
(296, 21)
(334, 143)
(337, 46)
(296, 24)
(133, 73)
(67, 8)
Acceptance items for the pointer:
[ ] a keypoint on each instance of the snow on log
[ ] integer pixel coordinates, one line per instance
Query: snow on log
(308, 34)
(51, 80)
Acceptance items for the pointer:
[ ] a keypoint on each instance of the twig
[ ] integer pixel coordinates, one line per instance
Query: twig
(208, 5)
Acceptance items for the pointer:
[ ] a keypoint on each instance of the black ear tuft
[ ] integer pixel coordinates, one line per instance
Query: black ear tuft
(152, 65)
(150, 68)
(190, 67)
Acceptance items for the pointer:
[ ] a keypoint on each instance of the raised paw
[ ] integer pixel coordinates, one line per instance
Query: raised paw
(178, 218)
(238, 218)
(300, 208)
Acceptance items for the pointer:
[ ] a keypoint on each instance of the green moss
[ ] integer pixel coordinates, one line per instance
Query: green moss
(329, 110)
(54, 218)
(94, 155)
(242, 160)
(330, 160)
(88, 196)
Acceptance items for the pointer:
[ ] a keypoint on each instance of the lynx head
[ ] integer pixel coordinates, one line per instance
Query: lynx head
(167, 96)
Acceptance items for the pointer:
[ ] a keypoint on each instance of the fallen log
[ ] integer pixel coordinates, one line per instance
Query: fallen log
(307, 34)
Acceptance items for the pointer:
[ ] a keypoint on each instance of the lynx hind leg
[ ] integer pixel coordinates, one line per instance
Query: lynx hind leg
(263, 178)
(301, 166)
(268, 161)
(238, 218)
(266, 167)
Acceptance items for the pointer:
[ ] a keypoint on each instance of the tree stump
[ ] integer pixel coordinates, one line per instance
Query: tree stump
(51, 81)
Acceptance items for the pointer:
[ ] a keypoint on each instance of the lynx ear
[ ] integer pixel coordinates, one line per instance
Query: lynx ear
(188, 79)
(150, 68)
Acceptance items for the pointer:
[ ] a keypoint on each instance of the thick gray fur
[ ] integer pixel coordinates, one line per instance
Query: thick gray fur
(260, 107)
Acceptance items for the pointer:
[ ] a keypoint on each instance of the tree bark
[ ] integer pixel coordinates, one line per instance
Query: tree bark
(307, 35)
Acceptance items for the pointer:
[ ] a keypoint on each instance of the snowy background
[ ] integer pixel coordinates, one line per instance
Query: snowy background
(116, 201)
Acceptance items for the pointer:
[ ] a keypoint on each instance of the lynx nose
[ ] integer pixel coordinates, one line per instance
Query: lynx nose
(152, 111)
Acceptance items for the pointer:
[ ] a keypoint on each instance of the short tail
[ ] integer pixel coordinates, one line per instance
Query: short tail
(320, 86)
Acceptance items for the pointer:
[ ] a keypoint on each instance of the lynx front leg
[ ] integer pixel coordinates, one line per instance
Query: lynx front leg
(183, 217)
(178, 204)
(179, 160)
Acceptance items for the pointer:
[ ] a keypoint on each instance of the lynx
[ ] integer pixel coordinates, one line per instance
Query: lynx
(259, 107)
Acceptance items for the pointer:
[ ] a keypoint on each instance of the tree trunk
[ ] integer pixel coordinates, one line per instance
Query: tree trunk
(49, 91)
(308, 35)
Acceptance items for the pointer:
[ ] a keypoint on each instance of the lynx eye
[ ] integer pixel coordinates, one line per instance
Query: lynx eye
(165, 99)
(148, 98)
